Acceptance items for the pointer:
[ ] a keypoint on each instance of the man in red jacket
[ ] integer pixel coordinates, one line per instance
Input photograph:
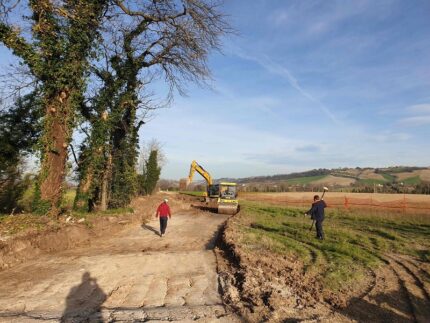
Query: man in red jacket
(163, 211)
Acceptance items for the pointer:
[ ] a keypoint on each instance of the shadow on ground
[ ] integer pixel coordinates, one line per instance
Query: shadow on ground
(388, 308)
(84, 301)
(205, 208)
(150, 228)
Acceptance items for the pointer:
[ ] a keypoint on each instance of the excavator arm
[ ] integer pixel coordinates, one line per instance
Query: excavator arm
(195, 167)
(222, 196)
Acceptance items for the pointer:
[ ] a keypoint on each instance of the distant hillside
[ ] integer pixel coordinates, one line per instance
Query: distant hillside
(368, 178)
(284, 177)
(396, 179)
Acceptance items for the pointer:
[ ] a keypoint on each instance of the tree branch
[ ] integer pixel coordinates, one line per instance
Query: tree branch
(19, 46)
(74, 155)
(161, 55)
(148, 17)
(140, 124)
(141, 58)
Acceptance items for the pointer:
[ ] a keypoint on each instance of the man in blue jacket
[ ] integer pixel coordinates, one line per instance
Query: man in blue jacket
(317, 214)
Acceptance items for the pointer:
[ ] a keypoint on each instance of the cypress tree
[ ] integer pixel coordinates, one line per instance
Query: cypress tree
(152, 174)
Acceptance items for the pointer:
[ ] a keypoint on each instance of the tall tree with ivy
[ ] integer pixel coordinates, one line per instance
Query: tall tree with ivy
(165, 39)
(54, 41)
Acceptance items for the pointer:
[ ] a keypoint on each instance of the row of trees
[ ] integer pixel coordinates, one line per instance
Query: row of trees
(88, 64)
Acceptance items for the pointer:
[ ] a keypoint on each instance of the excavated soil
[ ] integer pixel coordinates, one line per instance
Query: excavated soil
(130, 275)
(269, 287)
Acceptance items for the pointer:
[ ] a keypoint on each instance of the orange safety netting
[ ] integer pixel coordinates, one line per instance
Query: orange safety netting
(406, 205)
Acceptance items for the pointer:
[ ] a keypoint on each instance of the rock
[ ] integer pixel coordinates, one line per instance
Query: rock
(68, 219)
(81, 220)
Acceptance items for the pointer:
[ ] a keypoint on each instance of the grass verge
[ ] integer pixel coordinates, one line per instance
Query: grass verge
(193, 193)
(354, 243)
(14, 224)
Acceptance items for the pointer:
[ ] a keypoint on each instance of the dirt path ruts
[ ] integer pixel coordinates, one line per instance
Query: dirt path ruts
(134, 275)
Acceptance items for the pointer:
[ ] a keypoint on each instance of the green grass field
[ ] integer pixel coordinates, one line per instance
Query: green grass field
(415, 180)
(193, 193)
(68, 199)
(390, 178)
(305, 180)
(352, 245)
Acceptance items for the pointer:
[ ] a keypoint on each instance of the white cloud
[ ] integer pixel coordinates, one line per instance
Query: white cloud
(389, 136)
(274, 68)
(419, 115)
(420, 108)
(314, 18)
(416, 121)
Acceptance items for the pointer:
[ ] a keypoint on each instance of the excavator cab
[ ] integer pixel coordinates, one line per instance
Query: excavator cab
(213, 190)
(224, 191)
(228, 191)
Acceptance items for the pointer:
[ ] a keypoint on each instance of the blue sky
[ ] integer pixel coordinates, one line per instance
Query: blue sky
(306, 84)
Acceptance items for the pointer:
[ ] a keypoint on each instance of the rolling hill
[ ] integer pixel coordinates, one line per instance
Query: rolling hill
(344, 177)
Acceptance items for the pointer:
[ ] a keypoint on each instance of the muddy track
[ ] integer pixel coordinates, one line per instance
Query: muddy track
(134, 275)
(268, 287)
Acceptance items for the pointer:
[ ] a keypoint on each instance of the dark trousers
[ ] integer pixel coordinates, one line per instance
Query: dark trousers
(319, 226)
(163, 224)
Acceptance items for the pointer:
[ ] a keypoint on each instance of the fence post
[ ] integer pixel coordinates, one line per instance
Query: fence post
(345, 203)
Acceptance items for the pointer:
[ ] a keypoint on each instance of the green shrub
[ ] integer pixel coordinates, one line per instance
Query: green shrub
(13, 190)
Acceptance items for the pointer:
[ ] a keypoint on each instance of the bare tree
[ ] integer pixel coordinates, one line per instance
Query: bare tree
(142, 41)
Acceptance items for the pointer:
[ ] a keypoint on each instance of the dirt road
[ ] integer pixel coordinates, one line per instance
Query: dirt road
(134, 275)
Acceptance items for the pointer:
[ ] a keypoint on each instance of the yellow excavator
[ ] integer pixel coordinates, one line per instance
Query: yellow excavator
(222, 196)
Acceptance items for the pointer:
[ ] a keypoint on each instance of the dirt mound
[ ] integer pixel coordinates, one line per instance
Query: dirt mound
(263, 287)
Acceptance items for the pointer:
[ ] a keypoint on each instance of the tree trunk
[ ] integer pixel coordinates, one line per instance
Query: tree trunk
(55, 139)
(107, 176)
